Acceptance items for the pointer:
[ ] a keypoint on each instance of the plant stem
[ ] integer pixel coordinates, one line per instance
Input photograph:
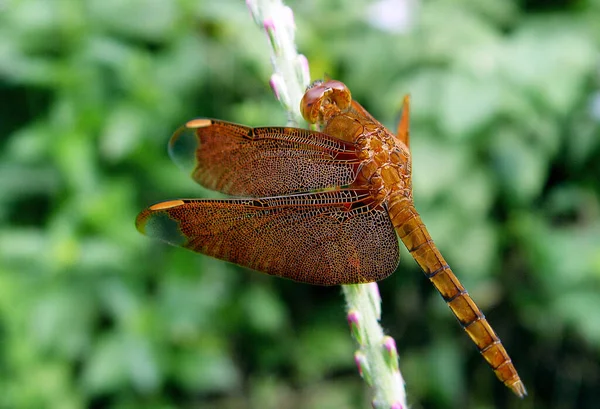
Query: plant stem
(377, 357)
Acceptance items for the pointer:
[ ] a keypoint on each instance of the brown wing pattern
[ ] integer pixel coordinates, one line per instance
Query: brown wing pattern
(243, 161)
(325, 238)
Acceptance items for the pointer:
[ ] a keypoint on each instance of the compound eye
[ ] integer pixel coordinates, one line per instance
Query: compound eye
(339, 93)
(321, 95)
(311, 103)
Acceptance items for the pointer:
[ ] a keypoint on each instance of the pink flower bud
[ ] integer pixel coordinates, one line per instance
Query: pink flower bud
(354, 322)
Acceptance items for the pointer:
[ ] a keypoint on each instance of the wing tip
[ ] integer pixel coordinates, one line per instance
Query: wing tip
(156, 222)
(140, 221)
(183, 146)
(166, 205)
(198, 123)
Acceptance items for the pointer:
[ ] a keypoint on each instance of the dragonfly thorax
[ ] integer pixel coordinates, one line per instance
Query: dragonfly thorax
(385, 169)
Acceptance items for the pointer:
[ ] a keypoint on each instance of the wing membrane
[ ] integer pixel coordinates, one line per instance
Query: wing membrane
(325, 238)
(243, 161)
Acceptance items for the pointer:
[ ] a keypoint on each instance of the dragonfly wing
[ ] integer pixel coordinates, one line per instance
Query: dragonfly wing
(256, 162)
(325, 238)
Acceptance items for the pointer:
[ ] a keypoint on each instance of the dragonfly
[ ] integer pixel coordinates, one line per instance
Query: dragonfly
(322, 207)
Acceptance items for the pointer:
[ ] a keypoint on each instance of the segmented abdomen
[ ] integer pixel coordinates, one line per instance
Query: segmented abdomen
(416, 238)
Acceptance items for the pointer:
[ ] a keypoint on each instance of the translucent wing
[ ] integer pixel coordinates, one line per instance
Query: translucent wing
(243, 161)
(325, 238)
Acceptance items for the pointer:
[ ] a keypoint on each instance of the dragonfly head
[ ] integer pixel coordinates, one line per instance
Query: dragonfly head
(322, 99)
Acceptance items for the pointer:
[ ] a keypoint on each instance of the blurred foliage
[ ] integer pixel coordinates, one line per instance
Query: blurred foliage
(506, 152)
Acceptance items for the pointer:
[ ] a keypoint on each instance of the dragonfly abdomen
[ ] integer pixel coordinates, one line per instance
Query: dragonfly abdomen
(416, 238)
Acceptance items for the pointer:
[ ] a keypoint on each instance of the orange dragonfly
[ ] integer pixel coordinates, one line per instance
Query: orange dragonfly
(319, 207)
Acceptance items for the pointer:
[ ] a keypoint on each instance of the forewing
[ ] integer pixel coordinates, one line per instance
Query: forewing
(325, 238)
(243, 161)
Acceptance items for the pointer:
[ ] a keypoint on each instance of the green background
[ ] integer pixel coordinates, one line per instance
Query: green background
(506, 164)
